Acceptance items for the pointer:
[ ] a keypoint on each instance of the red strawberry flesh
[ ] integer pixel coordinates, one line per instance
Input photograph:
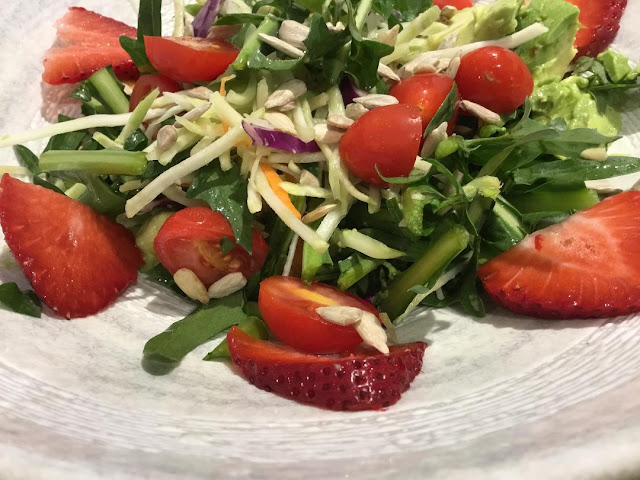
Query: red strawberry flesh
(77, 260)
(601, 22)
(87, 42)
(585, 267)
(364, 380)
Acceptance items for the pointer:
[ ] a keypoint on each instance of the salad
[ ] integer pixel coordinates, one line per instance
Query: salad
(308, 173)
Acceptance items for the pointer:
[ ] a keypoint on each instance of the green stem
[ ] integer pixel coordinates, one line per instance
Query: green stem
(554, 201)
(102, 162)
(364, 7)
(110, 91)
(359, 267)
(137, 116)
(252, 43)
(438, 255)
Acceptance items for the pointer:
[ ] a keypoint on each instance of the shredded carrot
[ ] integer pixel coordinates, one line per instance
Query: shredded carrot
(274, 181)
(223, 84)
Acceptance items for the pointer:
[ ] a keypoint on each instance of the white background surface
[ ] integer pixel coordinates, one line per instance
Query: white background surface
(502, 397)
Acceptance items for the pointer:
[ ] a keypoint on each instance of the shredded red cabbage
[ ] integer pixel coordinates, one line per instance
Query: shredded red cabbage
(279, 140)
(350, 91)
(205, 17)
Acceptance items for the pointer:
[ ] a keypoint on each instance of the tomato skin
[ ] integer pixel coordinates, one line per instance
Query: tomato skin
(387, 137)
(190, 59)
(459, 4)
(494, 77)
(146, 83)
(428, 91)
(292, 317)
(190, 238)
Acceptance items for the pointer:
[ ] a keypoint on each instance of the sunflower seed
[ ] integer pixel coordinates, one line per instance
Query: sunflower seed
(319, 212)
(340, 315)
(286, 93)
(166, 138)
(201, 93)
(371, 332)
(281, 122)
(484, 114)
(340, 122)
(452, 68)
(196, 113)
(281, 46)
(376, 100)
(390, 36)
(338, 27)
(308, 178)
(325, 134)
(433, 140)
(387, 72)
(294, 33)
(191, 285)
(354, 111)
(227, 285)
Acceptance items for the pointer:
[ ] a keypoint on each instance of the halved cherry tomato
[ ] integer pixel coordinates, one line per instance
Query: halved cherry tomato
(146, 83)
(288, 306)
(428, 91)
(459, 4)
(190, 59)
(191, 239)
(495, 78)
(388, 138)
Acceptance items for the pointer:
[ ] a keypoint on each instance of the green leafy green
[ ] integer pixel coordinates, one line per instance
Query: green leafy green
(280, 237)
(363, 61)
(25, 302)
(252, 326)
(445, 111)
(164, 352)
(226, 192)
(571, 171)
(27, 158)
(149, 24)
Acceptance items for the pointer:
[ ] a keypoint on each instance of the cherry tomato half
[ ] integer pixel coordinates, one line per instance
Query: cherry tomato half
(495, 78)
(191, 239)
(387, 137)
(288, 306)
(459, 4)
(190, 59)
(146, 83)
(428, 91)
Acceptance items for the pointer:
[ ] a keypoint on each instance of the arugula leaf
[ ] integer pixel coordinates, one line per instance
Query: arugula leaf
(259, 61)
(445, 111)
(240, 19)
(164, 352)
(44, 183)
(66, 141)
(135, 49)
(321, 41)
(252, 326)
(27, 158)
(413, 177)
(149, 19)
(503, 227)
(280, 237)
(226, 192)
(25, 302)
(363, 62)
(410, 9)
(573, 170)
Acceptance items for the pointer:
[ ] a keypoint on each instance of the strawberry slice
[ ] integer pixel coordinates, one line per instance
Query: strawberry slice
(585, 267)
(601, 22)
(365, 380)
(87, 42)
(77, 260)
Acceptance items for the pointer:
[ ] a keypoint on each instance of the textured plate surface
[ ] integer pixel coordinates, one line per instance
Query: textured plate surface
(501, 397)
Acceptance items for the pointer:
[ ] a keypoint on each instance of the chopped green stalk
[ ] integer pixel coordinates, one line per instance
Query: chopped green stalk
(76, 190)
(137, 116)
(554, 201)
(509, 220)
(110, 91)
(102, 162)
(437, 256)
(252, 44)
(355, 268)
(312, 261)
(336, 103)
(252, 326)
(364, 244)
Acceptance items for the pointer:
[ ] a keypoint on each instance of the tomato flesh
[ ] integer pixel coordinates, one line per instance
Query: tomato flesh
(387, 138)
(191, 239)
(494, 77)
(428, 91)
(459, 4)
(288, 306)
(190, 59)
(147, 83)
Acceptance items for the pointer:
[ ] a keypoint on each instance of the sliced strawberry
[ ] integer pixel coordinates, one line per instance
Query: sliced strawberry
(365, 380)
(601, 21)
(585, 267)
(77, 260)
(87, 42)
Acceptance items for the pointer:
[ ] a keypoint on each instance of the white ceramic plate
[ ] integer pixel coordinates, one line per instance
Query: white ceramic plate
(501, 397)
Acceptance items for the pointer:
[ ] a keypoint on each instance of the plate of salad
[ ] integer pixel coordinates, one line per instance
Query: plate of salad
(285, 239)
